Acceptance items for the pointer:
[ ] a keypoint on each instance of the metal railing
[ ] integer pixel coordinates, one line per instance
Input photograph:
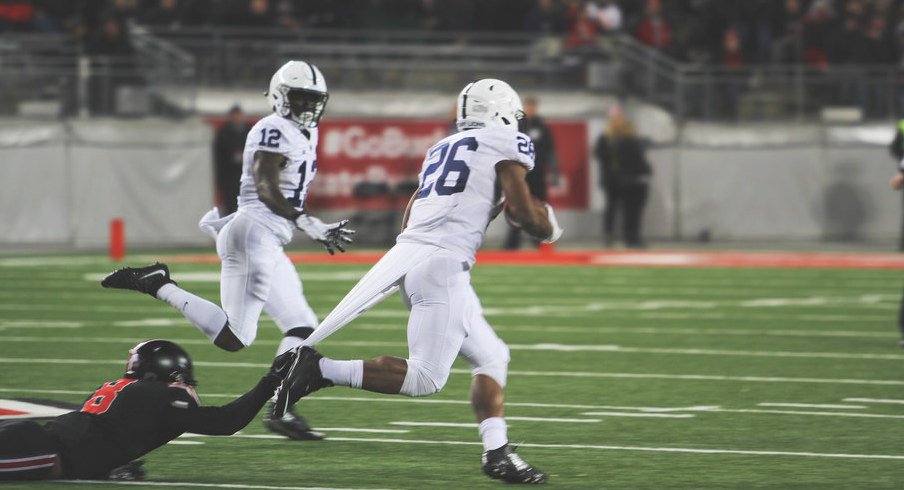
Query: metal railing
(50, 75)
(757, 92)
(170, 64)
(356, 59)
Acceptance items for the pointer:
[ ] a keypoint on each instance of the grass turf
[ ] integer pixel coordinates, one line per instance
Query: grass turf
(588, 344)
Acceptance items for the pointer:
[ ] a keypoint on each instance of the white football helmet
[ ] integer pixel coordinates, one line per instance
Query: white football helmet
(488, 103)
(298, 93)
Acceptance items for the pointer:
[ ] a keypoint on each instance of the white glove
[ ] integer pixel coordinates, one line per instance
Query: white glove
(556, 229)
(329, 234)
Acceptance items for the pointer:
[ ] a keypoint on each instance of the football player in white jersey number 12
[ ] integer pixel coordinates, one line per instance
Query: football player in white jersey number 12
(279, 163)
(444, 224)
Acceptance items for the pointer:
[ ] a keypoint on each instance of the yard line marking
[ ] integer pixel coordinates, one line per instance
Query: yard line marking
(875, 400)
(548, 347)
(200, 485)
(796, 412)
(467, 425)
(211, 276)
(507, 418)
(370, 431)
(4, 324)
(811, 405)
(645, 414)
(563, 374)
(614, 448)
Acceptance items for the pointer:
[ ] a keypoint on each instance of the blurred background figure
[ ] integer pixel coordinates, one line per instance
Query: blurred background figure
(624, 176)
(228, 145)
(546, 165)
(896, 148)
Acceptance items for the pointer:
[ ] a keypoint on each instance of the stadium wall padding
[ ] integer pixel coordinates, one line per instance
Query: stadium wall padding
(64, 181)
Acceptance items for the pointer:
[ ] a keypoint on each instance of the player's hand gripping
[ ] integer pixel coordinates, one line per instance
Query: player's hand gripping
(331, 235)
(282, 364)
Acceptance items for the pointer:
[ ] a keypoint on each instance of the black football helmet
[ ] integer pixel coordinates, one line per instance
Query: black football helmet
(160, 360)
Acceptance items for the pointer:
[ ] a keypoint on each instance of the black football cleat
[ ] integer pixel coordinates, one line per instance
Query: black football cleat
(303, 379)
(142, 279)
(504, 464)
(131, 471)
(290, 425)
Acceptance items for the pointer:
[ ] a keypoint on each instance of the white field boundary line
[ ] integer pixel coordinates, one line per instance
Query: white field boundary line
(605, 447)
(875, 400)
(813, 405)
(547, 347)
(472, 425)
(198, 485)
(641, 414)
(553, 374)
(772, 412)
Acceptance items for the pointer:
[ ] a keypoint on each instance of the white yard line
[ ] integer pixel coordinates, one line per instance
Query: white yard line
(553, 374)
(199, 485)
(812, 405)
(614, 448)
(875, 400)
(644, 414)
(472, 425)
(547, 347)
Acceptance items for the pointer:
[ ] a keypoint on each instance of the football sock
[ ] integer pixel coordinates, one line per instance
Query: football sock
(208, 317)
(288, 343)
(345, 373)
(493, 433)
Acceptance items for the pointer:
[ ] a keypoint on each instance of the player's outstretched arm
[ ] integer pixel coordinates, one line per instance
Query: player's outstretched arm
(533, 217)
(234, 416)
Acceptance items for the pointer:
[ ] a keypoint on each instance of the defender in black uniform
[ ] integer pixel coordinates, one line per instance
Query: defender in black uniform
(153, 403)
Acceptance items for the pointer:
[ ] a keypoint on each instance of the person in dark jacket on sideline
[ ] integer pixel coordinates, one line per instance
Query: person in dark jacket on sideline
(624, 177)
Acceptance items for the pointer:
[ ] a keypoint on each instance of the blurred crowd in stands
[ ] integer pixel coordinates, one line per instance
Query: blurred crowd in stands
(727, 32)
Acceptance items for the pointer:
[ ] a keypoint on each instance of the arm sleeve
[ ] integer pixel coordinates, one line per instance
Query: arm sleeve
(228, 419)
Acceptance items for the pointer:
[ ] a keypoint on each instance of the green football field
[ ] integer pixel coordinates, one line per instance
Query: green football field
(620, 378)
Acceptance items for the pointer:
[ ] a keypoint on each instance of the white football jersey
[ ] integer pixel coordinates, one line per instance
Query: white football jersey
(458, 188)
(276, 134)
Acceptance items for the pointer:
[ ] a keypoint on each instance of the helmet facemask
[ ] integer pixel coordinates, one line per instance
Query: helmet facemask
(305, 107)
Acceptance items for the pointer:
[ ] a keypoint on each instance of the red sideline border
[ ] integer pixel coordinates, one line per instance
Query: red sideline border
(657, 258)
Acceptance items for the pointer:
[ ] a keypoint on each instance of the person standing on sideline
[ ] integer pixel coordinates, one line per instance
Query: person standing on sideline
(546, 166)
(279, 165)
(896, 148)
(896, 183)
(228, 146)
(624, 177)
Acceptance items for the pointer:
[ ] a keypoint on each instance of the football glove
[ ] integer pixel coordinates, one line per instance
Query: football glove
(282, 364)
(331, 235)
(556, 229)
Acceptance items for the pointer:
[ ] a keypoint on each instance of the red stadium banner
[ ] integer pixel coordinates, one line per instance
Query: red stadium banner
(391, 151)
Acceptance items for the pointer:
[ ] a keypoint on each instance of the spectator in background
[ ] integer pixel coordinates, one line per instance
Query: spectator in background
(112, 62)
(546, 16)
(228, 144)
(546, 166)
(624, 177)
(165, 13)
(606, 14)
(653, 29)
(788, 47)
(896, 183)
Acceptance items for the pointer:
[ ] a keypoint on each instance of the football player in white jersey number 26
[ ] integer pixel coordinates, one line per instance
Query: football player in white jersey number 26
(444, 224)
(279, 164)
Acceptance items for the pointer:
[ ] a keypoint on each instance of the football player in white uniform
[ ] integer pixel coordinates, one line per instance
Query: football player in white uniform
(279, 163)
(463, 180)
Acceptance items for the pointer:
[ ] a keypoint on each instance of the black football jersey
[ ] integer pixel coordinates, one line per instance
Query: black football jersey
(121, 421)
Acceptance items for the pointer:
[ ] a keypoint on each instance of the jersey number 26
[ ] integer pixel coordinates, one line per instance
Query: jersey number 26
(447, 160)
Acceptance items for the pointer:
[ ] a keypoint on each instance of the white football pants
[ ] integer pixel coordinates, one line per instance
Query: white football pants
(446, 317)
(257, 275)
